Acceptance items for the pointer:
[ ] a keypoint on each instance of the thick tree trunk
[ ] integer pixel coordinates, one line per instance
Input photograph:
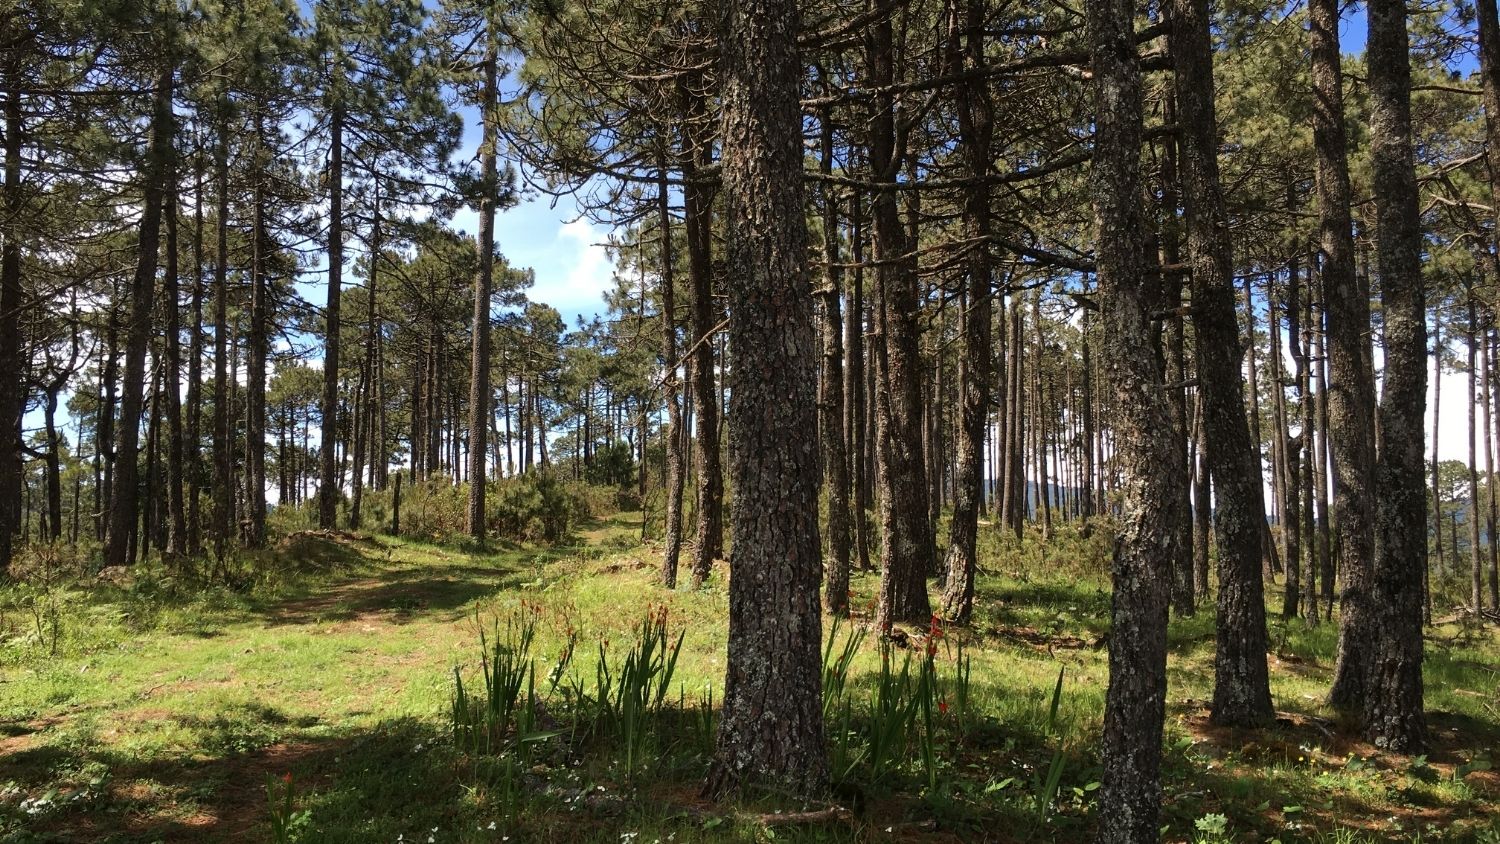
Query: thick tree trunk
(1393, 700)
(771, 730)
(1351, 380)
(1130, 801)
(125, 506)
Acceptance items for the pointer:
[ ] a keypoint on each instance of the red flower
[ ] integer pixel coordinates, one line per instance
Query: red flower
(287, 777)
(943, 707)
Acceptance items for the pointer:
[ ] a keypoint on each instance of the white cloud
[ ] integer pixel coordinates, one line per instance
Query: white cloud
(578, 273)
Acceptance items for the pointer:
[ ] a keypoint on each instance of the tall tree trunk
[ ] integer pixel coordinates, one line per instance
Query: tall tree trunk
(907, 552)
(1308, 406)
(1130, 801)
(1487, 357)
(1170, 288)
(854, 387)
(1257, 438)
(328, 488)
(831, 395)
(53, 459)
(771, 731)
(257, 351)
(976, 127)
(367, 411)
(125, 507)
(1202, 511)
(1242, 692)
(1351, 380)
(1297, 450)
(1321, 476)
(698, 222)
(193, 456)
(1476, 548)
(1393, 701)
(480, 400)
(12, 388)
(177, 538)
(223, 434)
(672, 437)
(1436, 492)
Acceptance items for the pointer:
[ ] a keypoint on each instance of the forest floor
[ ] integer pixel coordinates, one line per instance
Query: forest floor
(146, 711)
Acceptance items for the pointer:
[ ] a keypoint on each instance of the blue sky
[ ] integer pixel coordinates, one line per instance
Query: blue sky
(573, 269)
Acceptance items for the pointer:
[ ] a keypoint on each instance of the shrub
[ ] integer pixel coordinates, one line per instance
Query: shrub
(534, 507)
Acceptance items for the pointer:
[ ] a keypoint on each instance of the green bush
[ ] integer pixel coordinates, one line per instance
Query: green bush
(534, 507)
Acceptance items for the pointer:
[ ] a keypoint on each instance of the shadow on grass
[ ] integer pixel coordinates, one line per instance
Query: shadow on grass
(368, 785)
(399, 596)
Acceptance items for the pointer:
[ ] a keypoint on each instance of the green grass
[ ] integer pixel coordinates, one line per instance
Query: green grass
(158, 710)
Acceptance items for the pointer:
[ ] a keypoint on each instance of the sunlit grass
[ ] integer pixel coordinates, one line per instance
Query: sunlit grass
(167, 703)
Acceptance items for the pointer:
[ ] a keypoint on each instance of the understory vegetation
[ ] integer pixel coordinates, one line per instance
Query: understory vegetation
(345, 687)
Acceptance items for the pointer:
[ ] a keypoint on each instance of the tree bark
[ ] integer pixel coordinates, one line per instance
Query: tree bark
(1351, 387)
(223, 434)
(1393, 700)
(1295, 451)
(907, 548)
(854, 389)
(328, 487)
(1242, 692)
(672, 437)
(1130, 800)
(771, 730)
(698, 225)
(831, 396)
(976, 127)
(125, 506)
(480, 400)
(193, 457)
(12, 388)
(258, 348)
(177, 538)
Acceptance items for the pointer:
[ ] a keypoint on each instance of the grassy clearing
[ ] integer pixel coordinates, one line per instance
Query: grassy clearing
(157, 711)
